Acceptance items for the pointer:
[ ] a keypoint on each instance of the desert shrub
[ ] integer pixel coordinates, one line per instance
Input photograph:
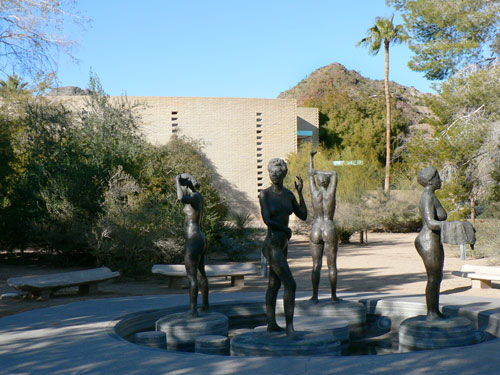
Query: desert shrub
(136, 229)
(237, 237)
(397, 213)
(63, 189)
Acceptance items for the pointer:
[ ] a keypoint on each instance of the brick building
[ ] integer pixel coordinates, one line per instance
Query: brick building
(239, 135)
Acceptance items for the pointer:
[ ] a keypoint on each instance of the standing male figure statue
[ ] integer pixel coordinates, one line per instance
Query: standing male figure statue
(277, 203)
(323, 234)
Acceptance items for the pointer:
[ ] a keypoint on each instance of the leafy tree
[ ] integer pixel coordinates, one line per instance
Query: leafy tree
(32, 33)
(447, 35)
(356, 121)
(465, 138)
(385, 32)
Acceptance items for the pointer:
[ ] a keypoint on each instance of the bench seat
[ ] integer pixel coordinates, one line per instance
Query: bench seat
(237, 272)
(481, 276)
(46, 285)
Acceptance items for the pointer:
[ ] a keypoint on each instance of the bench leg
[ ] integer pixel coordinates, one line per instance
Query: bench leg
(482, 284)
(175, 282)
(42, 295)
(238, 281)
(87, 288)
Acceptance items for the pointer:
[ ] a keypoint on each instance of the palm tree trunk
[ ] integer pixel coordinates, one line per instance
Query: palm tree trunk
(388, 121)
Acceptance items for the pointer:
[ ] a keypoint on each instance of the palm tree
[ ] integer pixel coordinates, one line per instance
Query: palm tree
(385, 31)
(13, 86)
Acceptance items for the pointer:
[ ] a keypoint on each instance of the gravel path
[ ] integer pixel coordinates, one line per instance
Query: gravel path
(388, 264)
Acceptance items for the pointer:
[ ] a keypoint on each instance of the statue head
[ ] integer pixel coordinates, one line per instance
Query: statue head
(190, 181)
(429, 177)
(277, 169)
(323, 179)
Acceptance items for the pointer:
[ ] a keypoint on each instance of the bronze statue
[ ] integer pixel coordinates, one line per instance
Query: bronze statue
(428, 241)
(196, 243)
(323, 234)
(277, 203)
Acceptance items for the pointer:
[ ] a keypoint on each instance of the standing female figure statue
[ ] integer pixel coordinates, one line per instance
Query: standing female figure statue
(428, 241)
(276, 204)
(196, 242)
(323, 234)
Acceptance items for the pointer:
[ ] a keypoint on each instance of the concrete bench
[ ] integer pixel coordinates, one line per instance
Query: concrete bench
(481, 276)
(237, 271)
(46, 285)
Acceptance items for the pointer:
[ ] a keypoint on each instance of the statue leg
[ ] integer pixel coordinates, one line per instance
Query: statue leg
(432, 253)
(317, 257)
(280, 267)
(190, 262)
(331, 258)
(273, 286)
(203, 283)
(434, 278)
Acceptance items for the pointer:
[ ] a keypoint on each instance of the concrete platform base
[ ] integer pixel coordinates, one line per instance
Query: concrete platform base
(265, 344)
(182, 329)
(417, 333)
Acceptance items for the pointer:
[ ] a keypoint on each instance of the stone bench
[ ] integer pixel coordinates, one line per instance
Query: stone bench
(481, 276)
(237, 272)
(45, 285)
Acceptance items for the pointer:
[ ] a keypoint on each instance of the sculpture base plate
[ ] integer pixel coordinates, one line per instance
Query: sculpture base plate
(182, 329)
(334, 326)
(418, 333)
(268, 344)
(354, 313)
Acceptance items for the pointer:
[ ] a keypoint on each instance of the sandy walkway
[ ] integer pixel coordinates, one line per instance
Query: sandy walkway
(388, 264)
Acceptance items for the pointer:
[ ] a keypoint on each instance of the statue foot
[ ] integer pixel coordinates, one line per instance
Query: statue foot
(435, 316)
(205, 308)
(194, 313)
(274, 327)
(290, 331)
(314, 299)
(336, 299)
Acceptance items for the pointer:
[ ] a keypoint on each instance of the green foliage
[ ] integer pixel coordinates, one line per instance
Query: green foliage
(357, 121)
(396, 213)
(465, 139)
(87, 186)
(384, 32)
(447, 35)
(137, 229)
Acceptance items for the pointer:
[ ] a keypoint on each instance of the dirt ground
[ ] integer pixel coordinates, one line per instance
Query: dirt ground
(388, 264)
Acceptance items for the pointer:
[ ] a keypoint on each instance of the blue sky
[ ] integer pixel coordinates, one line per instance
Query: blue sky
(226, 48)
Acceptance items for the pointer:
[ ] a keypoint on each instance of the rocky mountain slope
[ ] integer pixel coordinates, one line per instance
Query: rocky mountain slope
(337, 76)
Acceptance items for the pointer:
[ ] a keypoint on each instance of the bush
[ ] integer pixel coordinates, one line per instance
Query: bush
(136, 230)
(88, 187)
(397, 213)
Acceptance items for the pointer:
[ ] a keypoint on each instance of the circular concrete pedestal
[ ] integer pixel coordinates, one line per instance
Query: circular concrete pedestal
(337, 327)
(182, 329)
(279, 344)
(212, 344)
(354, 313)
(154, 339)
(417, 333)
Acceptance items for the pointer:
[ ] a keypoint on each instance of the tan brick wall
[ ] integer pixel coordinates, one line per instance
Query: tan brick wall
(227, 128)
(308, 119)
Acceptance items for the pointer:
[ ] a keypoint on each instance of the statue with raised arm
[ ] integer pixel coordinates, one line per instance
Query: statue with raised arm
(196, 243)
(324, 238)
(277, 203)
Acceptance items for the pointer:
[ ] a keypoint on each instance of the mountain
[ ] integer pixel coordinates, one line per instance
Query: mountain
(337, 76)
